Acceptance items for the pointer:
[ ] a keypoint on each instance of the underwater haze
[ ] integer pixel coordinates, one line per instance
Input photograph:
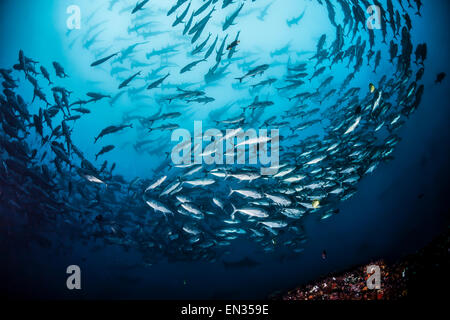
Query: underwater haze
(100, 97)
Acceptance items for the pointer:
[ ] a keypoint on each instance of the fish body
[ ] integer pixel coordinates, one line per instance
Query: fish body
(230, 20)
(104, 150)
(103, 60)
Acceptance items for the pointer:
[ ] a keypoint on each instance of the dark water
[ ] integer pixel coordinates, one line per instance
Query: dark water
(396, 210)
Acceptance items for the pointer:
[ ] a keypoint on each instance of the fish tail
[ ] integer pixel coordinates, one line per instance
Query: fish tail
(231, 192)
(234, 209)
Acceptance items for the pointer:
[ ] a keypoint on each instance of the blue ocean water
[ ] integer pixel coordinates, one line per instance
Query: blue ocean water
(385, 218)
